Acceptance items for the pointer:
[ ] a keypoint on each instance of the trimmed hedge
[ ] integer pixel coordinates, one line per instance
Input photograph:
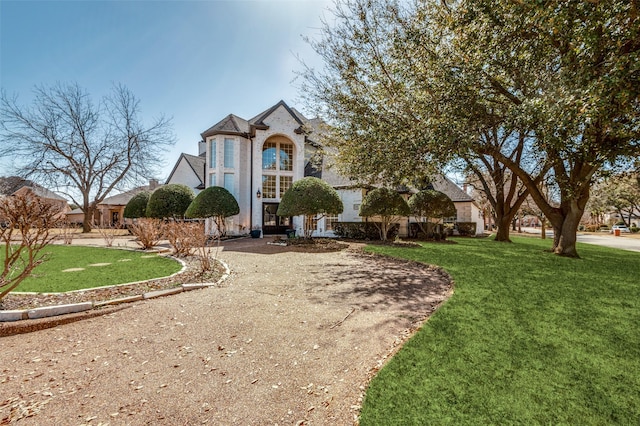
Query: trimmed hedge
(466, 228)
(362, 230)
(137, 205)
(214, 201)
(170, 201)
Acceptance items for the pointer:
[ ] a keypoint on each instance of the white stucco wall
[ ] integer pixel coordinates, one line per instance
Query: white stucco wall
(469, 212)
(281, 127)
(185, 175)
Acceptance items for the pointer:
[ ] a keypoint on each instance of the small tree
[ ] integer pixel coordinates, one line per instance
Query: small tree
(26, 232)
(431, 204)
(388, 205)
(169, 201)
(215, 202)
(137, 205)
(310, 197)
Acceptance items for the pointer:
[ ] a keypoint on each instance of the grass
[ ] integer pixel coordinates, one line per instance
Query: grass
(122, 266)
(527, 338)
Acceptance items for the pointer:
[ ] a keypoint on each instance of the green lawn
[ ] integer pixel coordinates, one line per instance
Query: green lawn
(527, 338)
(119, 266)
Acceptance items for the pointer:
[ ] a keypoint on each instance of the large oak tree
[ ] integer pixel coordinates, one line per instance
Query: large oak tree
(409, 86)
(82, 149)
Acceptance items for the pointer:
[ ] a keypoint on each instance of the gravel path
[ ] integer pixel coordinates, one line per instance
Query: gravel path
(290, 338)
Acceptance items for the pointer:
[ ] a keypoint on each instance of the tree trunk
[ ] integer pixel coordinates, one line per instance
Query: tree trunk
(565, 232)
(502, 231)
(88, 218)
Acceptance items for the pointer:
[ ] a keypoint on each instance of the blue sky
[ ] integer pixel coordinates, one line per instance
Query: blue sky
(195, 61)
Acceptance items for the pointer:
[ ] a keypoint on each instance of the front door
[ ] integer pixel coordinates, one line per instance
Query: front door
(271, 223)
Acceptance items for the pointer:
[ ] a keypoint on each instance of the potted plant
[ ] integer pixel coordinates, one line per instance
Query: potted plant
(255, 232)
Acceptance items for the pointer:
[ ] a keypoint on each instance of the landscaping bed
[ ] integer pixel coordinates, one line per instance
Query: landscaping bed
(192, 274)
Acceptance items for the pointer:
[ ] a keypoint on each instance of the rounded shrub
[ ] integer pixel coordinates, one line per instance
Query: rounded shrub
(432, 204)
(214, 201)
(169, 201)
(137, 206)
(383, 202)
(309, 197)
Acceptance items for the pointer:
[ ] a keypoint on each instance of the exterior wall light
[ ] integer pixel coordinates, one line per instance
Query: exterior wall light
(258, 193)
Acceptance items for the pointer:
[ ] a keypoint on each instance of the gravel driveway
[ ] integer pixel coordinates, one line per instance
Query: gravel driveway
(290, 338)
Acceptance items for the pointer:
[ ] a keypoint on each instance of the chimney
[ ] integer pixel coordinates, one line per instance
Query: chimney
(202, 147)
(153, 184)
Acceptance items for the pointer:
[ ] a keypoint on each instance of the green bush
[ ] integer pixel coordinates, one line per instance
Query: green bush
(427, 230)
(634, 229)
(466, 228)
(137, 206)
(385, 204)
(362, 230)
(213, 201)
(309, 197)
(432, 204)
(169, 201)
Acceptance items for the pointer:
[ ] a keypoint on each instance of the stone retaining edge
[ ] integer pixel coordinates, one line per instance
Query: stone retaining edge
(50, 311)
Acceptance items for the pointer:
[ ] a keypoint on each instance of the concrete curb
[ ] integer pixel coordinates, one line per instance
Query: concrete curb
(56, 310)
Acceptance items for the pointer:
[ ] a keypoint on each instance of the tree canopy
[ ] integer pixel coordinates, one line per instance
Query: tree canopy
(169, 201)
(137, 205)
(68, 143)
(385, 204)
(310, 197)
(430, 203)
(408, 87)
(215, 202)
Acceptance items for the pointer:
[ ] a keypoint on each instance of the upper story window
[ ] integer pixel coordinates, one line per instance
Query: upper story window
(212, 153)
(269, 156)
(277, 156)
(286, 157)
(229, 153)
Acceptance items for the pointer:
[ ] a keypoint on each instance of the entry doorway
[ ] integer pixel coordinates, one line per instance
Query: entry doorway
(272, 223)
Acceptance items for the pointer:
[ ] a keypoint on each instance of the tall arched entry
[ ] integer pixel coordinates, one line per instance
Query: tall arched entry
(278, 154)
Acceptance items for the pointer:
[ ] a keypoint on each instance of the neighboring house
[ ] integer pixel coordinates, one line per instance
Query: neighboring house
(190, 170)
(110, 212)
(633, 218)
(258, 159)
(15, 185)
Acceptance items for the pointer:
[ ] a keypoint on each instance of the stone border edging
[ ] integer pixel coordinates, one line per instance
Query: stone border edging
(50, 311)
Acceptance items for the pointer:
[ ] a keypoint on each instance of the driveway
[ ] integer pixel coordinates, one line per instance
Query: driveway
(290, 338)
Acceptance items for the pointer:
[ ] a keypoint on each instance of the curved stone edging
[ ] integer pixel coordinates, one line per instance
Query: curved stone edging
(50, 311)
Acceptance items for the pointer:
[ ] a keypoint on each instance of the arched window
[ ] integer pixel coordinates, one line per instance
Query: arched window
(277, 168)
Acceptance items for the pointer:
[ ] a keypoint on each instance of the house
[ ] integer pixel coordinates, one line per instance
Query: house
(15, 185)
(110, 212)
(258, 159)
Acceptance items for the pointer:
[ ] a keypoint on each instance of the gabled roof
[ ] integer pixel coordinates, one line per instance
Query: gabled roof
(10, 185)
(443, 184)
(230, 125)
(123, 198)
(258, 120)
(197, 164)
(234, 125)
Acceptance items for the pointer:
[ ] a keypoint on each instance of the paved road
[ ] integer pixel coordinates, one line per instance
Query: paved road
(623, 242)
